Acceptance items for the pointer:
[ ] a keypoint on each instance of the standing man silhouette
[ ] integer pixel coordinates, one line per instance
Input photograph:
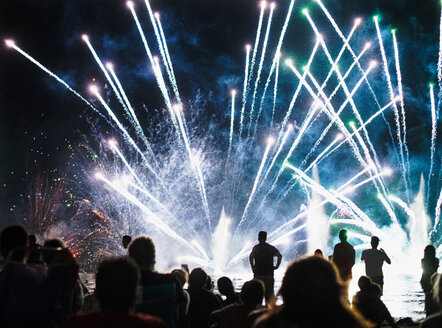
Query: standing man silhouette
(344, 256)
(374, 258)
(261, 261)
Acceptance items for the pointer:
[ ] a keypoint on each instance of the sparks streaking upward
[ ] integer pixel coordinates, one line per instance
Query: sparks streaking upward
(202, 173)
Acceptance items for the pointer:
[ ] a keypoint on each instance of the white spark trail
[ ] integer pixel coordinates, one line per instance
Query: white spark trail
(341, 35)
(150, 217)
(257, 38)
(437, 214)
(261, 61)
(347, 73)
(195, 165)
(401, 95)
(126, 135)
(388, 208)
(297, 91)
(168, 60)
(244, 93)
(433, 138)
(275, 91)
(136, 123)
(395, 109)
(106, 74)
(11, 44)
(270, 142)
(232, 119)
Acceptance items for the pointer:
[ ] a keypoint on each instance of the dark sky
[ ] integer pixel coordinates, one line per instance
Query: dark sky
(39, 119)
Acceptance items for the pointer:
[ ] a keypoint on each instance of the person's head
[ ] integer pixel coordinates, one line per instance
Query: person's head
(142, 251)
(364, 283)
(197, 279)
(430, 251)
(32, 240)
(12, 237)
(374, 242)
(309, 282)
(262, 236)
(116, 283)
(126, 241)
(181, 275)
(51, 243)
(319, 253)
(252, 293)
(343, 235)
(209, 283)
(225, 286)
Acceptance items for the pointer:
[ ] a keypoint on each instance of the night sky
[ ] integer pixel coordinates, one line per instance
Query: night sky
(39, 119)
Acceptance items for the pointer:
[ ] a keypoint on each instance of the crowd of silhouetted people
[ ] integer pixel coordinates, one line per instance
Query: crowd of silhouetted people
(40, 287)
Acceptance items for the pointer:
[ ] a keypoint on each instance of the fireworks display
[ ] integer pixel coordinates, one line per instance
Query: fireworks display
(314, 140)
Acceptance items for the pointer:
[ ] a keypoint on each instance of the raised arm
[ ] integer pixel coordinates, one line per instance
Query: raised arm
(387, 259)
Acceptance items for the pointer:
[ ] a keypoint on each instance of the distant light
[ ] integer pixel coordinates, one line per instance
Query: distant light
(272, 5)
(98, 175)
(112, 142)
(9, 43)
(176, 108)
(289, 62)
(340, 136)
(270, 141)
(367, 45)
(387, 171)
(373, 63)
(233, 92)
(320, 37)
(351, 123)
(85, 37)
(278, 54)
(93, 88)
(290, 126)
(157, 15)
(375, 17)
(358, 21)
(263, 4)
(130, 4)
(109, 66)
(393, 30)
(305, 11)
(248, 47)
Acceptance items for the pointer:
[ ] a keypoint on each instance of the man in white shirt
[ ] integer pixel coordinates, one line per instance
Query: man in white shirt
(374, 258)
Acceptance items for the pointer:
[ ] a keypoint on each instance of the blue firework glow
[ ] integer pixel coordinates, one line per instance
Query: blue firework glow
(309, 143)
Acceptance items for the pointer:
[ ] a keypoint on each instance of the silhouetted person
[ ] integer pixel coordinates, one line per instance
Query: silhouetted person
(435, 320)
(115, 287)
(183, 277)
(430, 264)
(344, 256)
(11, 238)
(142, 251)
(237, 315)
(319, 253)
(225, 287)
(368, 302)
(126, 241)
(49, 251)
(34, 256)
(313, 297)
(202, 301)
(261, 260)
(374, 258)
